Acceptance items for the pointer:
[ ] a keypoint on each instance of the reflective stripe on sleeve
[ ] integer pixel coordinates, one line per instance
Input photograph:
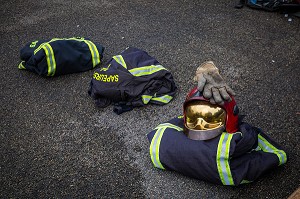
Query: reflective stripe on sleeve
(154, 148)
(50, 59)
(92, 47)
(21, 66)
(268, 147)
(155, 142)
(94, 52)
(164, 99)
(169, 125)
(146, 98)
(43, 44)
(146, 70)
(257, 148)
(120, 60)
(246, 181)
(222, 159)
(56, 39)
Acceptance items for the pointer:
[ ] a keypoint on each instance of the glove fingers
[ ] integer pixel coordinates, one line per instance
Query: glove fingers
(212, 101)
(224, 94)
(195, 78)
(201, 82)
(217, 96)
(207, 93)
(229, 90)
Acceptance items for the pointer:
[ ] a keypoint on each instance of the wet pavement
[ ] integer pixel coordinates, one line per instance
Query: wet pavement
(55, 143)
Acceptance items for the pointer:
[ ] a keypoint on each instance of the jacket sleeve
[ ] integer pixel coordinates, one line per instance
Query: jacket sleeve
(254, 154)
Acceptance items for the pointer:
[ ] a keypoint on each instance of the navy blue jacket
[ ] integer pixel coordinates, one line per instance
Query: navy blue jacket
(131, 79)
(60, 56)
(229, 159)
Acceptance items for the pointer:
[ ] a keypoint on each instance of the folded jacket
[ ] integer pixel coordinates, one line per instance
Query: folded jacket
(131, 79)
(60, 56)
(229, 159)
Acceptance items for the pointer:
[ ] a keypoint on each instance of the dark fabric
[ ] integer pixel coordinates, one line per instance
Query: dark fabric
(71, 55)
(197, 159)
(270, 5)
(115, 84)
(121, 108)
(286, 6)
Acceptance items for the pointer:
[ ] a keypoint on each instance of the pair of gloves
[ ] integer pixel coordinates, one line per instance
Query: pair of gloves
(211, 84)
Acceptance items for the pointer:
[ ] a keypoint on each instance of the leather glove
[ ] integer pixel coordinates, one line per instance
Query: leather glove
(211, 83)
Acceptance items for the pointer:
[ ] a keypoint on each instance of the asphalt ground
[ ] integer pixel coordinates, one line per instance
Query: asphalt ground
(55, 143)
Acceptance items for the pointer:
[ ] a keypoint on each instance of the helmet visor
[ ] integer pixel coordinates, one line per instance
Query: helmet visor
(202, 115)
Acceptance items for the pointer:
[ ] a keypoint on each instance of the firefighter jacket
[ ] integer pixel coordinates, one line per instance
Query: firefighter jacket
(229, 159)
(60, 56)
(131, 79)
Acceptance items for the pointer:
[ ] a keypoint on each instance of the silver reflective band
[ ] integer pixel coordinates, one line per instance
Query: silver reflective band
(50, 59)
(268, 147)
(146, 98)
(222, 159)
(94, 52)
(154, 148)
(146, 70)
(169, 125)
(246, 181)
(119, 59)
(155, 143)
(164, 99)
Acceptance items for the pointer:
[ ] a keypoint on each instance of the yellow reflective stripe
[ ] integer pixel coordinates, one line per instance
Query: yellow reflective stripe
(146, 98)
(50, 59)
(94, 52)
(164, 99)
(42, 45)
(268, 147)
(56, 39)
(119, 59)
(169, 125)
(155, 142)
(92, 47)
(222, 159)
(146, 70)
(245, 181)
(154, 148)
(21, 66)
(105, 69)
